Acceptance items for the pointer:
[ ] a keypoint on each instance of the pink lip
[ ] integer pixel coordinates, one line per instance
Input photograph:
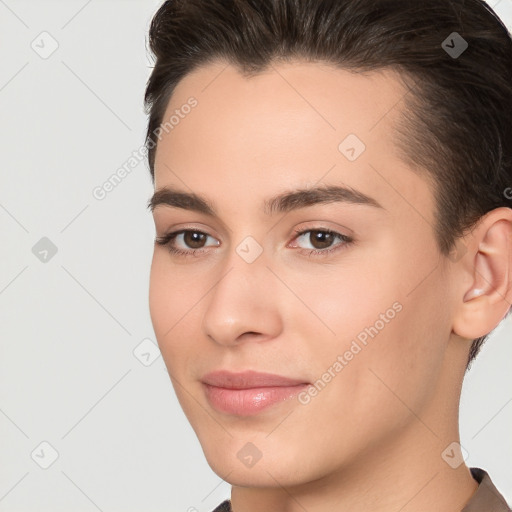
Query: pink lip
(247, 393)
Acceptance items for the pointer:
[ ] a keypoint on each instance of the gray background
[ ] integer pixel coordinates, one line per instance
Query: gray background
(79, 368)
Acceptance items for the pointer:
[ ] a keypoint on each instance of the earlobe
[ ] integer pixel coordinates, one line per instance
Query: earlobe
(473, 293)
(487, 267)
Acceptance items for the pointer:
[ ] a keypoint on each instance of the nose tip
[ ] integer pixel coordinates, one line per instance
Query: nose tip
(242, 307)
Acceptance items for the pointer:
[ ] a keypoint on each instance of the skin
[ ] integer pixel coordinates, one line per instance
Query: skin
(373, 438)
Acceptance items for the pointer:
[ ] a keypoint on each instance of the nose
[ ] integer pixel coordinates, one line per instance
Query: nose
(243, 304)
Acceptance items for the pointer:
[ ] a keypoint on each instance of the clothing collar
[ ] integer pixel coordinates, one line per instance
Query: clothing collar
(486, 498)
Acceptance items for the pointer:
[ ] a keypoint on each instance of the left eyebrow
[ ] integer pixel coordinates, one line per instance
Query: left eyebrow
(284, 202)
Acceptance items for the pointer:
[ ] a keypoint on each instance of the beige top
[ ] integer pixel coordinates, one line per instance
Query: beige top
(485, 499)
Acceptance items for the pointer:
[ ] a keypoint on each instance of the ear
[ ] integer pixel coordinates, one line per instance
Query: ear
(487, 267)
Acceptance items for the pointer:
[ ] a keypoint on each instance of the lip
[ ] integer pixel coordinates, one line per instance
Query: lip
(250, 392)
(248, 379)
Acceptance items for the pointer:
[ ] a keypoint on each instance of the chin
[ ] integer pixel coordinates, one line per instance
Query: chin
(261, 475)
(241, 464)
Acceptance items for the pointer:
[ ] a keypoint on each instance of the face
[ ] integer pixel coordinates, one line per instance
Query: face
(337, 289)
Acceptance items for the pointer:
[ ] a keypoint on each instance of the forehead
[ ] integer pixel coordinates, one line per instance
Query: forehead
(286, 125)
(307, 96)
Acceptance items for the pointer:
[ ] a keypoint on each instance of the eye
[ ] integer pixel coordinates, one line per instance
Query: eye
(192, 238)
(321, 240)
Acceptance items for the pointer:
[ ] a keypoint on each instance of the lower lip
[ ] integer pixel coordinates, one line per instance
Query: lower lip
(248, 402)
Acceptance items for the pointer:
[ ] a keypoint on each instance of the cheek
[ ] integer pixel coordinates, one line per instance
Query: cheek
(377, 382)
(339, 303)
(160, 307)
(171, 306)
(349, 296)
(390, 340)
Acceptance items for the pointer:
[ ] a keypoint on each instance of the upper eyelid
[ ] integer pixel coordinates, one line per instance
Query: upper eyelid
(344, 229)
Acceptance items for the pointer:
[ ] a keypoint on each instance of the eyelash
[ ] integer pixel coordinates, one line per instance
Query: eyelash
(168, 238)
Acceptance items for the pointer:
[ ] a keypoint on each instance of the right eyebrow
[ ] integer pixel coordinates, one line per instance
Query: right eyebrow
(284, 202)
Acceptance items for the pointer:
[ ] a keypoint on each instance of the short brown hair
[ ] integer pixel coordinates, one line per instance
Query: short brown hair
(457, 121)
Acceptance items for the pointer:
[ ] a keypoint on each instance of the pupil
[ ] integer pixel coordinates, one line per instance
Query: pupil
(192, 238)
(318, 238)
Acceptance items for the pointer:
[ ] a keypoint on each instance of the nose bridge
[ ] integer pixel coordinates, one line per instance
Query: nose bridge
(242, 298)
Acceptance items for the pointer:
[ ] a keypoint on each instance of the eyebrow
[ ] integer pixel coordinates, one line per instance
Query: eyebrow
(282, 203)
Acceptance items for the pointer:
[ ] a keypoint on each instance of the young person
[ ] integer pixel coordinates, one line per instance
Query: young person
(334, 241)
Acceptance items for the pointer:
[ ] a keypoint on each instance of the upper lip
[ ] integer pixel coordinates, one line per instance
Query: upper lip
(248, 379)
